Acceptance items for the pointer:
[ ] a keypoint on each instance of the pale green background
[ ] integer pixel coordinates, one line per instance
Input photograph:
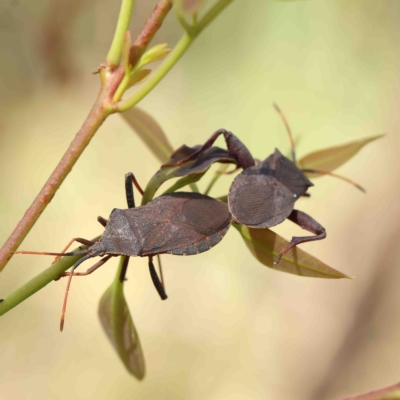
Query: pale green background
(231, 328)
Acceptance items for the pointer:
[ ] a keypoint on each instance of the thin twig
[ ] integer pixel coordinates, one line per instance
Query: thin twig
(114, 55)
(390, 392)
(102, 108)
(40, 281)
(94, 120)
(178, 51)
(151, 26)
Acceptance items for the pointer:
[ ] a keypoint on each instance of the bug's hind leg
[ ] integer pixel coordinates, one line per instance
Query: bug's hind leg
(156, 280)
(306, 222)
(79, 240)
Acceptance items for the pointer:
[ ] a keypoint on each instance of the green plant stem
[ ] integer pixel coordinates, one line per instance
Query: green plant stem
(173, 57)
(114, 55)
(39, 281)
(215, 178)
(122, 87)
(212, 14)
(158, 74)
(194, 187)
(212, 183)
(181, 18)
(150, 28)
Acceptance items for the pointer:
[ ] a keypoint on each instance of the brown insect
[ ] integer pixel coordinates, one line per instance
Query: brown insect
(177, 223)
(263, 195)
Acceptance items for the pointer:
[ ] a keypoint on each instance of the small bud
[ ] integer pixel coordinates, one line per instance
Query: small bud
(156, 53)
(138, 77)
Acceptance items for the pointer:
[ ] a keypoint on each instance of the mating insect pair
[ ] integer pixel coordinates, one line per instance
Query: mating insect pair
(261, 196)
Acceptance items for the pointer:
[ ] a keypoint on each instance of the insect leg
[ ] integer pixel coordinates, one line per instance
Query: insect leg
(235, 148)
(89, 271)
(79, 240)
(156, 280)
(102, 221)
(306, 222)
(86, 257)
(124, 269)
(160, 271)
(129, 179)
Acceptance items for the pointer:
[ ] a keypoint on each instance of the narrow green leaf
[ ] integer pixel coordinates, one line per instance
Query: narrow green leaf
(150, 132)
(186, 180)
(388, 393)
(265, 245)
(117, 322)
(331, 158)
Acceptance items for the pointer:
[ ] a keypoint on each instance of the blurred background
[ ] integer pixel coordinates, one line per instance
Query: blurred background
(231, 328)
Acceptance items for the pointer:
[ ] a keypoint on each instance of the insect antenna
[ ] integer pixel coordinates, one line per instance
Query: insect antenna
(343, 178)
(64, 309)
(289, 132)
(43, 253)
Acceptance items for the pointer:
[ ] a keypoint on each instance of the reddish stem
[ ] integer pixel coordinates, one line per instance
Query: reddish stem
(150, 28)
(94, 120)
(101, 109)
(385, 393)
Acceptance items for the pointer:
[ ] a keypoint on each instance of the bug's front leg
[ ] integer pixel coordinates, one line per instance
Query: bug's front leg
(235, 148)
(89, 271)
(129, 181)
(306, 222)
(156, 280)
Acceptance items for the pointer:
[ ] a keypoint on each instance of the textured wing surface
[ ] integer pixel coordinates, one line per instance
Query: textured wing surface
(259, 200)
(286, 172)
(183, 223)
(202, 245)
